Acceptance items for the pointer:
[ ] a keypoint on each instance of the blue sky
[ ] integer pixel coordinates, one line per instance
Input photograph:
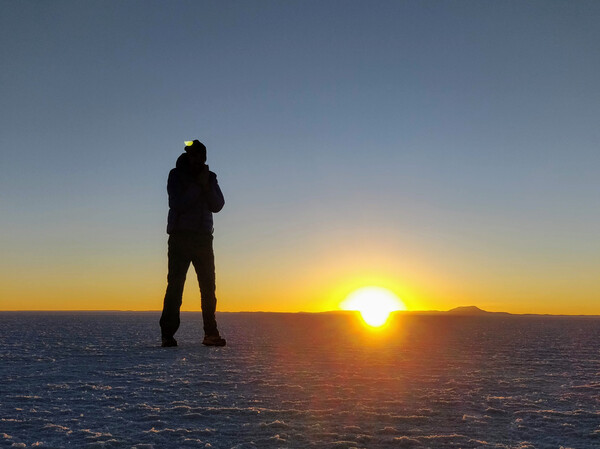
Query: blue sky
(449, 149)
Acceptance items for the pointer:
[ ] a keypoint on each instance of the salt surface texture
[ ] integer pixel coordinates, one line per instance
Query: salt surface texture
(299, 381)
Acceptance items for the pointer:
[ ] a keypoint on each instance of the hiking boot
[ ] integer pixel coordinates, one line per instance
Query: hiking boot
(168, 342)
(213, 340)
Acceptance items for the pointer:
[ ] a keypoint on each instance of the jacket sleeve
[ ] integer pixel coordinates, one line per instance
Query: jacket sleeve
(182, 195)
(214, 196)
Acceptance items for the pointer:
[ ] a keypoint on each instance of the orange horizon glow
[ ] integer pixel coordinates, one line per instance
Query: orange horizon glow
(117, 306)
(321, 293)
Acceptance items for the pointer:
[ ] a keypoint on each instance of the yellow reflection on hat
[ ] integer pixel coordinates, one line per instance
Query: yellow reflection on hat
(188, 143)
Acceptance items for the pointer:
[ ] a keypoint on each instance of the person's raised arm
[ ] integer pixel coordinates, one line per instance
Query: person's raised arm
(214, 196)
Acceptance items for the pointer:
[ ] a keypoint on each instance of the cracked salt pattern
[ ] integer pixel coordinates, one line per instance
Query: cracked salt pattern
(99, 380)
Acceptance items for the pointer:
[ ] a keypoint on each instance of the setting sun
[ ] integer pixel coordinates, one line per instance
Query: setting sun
(374, 304)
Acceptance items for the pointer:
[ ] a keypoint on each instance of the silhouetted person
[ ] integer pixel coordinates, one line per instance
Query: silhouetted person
(194, 195)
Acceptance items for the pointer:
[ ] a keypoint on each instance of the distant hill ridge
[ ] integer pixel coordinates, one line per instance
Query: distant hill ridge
(473, 310)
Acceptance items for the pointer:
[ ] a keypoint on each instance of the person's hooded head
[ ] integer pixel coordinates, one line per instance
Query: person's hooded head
(196, 154)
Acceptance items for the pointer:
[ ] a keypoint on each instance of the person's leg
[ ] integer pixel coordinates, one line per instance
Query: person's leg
(204, 264)
(179, 262)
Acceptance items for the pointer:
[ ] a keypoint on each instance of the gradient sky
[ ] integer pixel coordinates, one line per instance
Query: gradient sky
(448, 150)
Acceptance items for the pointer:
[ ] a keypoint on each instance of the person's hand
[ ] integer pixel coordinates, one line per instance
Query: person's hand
(203, 177)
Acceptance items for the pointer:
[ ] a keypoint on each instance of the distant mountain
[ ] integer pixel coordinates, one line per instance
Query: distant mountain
(473, 310)
(467, 310)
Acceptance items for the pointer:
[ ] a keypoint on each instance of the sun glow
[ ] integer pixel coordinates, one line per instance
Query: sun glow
(374, 304)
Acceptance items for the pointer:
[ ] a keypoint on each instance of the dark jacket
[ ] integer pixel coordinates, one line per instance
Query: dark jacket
(190, 207)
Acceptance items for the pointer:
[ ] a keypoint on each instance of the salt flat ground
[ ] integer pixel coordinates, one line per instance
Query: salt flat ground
(299, 381)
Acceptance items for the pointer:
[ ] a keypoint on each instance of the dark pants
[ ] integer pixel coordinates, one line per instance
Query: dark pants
(186, 247)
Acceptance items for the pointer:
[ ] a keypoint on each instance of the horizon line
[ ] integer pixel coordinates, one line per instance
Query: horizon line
(456, 311)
